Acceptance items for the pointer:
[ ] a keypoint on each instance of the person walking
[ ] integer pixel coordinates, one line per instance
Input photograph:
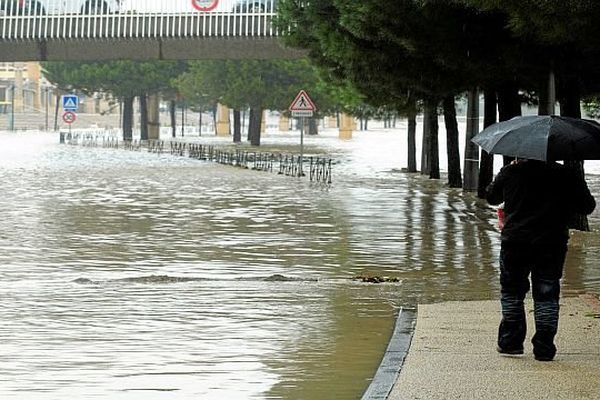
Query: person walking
(539, 200)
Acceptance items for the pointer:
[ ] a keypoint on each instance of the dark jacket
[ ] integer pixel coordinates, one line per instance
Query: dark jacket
(539, 200)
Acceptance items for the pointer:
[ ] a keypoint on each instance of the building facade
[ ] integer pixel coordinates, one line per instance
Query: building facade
(22, 86)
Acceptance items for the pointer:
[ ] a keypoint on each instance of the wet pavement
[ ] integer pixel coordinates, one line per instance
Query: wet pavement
(453, 356)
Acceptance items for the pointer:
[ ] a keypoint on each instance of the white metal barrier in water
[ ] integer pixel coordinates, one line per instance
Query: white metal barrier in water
(130, 19)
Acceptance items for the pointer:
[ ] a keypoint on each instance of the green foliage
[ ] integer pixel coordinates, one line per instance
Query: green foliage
(256, 84)
(562, 35)
(394, 52)
(120, 78)
(551, 22)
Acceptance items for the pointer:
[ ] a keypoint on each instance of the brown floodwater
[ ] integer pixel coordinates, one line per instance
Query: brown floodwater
(128, 275)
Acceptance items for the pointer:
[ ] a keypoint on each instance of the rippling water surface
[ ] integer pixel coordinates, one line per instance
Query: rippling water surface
(128, 275)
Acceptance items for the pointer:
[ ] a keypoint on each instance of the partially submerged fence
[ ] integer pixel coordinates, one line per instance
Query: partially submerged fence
(319, 168)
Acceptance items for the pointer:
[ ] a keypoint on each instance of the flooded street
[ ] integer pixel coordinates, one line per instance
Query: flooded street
(130, 275)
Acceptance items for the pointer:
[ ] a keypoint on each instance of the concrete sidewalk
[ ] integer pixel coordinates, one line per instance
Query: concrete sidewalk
(453, 356)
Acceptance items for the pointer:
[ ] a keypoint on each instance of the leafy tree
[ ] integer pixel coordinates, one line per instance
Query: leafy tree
(393, 52)
(431, 49)
(563, 39)
(125, 80)
(254, 85)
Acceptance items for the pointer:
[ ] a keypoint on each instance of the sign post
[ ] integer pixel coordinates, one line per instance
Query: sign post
(302, 107)
(70, 104)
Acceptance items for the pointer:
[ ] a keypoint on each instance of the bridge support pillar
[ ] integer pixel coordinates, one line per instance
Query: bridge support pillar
(19, 102)
(284, 124)
(332, 121)
(347, 126)
(223, 125)
(153, 117)
(263, 122)
(34, 73)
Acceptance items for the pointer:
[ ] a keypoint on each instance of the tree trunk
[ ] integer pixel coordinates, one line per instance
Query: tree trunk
(454, 173)
(57, 109)
(251, 123)
(509, 106)
(364, 122)
(153, 117)
(313, 129)
(425, 147)
(128, 118)
(434, 150)
(183, 120)
(214, 114)
(471, 167)
(237, 126)
(552, 94)
(412, 141)
(143, 117)
(543, 100)
(570, 106)
(486, 162)
(254, 127)
(173, 114)
(570, 101)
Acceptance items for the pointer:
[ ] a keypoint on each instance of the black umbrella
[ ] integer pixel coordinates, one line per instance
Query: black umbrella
(542, 137)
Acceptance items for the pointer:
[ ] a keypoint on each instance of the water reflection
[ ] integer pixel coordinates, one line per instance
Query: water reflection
(127, 275)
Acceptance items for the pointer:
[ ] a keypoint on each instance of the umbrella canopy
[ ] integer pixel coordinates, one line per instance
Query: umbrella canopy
(542, 137)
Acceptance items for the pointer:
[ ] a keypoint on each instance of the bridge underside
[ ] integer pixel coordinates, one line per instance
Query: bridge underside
(140, 37)
(211, 48)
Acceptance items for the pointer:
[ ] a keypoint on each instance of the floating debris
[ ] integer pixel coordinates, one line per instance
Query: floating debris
(375, 279)
(161, 279)
(283, 278)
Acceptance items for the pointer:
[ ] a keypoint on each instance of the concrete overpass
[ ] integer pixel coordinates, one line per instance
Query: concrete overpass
(140, 30)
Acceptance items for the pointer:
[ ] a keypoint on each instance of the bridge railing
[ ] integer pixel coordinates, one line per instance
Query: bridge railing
(130, 19)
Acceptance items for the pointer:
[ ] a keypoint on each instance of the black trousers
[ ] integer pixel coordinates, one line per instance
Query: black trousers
(545, 265)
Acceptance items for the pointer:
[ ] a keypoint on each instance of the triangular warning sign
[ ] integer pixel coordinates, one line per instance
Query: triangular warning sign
(302, 102)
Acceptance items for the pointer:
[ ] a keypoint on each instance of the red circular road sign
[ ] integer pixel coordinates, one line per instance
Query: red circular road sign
(205, 5)
(69, 117)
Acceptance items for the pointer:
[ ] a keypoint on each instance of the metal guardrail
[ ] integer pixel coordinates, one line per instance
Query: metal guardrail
(31, 20)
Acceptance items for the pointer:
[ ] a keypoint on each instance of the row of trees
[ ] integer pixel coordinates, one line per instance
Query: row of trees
(403, 53)
(240, 85)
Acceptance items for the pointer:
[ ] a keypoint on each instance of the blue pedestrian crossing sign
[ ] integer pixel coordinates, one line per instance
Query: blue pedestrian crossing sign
(70, 102)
